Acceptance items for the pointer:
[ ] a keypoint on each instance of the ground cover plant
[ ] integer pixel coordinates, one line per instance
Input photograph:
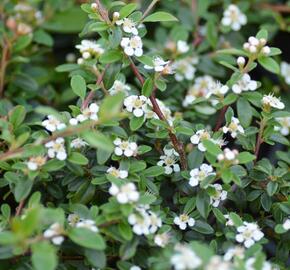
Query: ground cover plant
(144, 135)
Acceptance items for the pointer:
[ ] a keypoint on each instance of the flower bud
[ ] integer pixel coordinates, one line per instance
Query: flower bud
(253, 49)
(262, 41)
(23, 29)
(253, 41)
(86, 55)
(241, 61)
(116, 16)
(94, 6)
(11, 23)
(246, 46)
(266, 50)
(80, 61)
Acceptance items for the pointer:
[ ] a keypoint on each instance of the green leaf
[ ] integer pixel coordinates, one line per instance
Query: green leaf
(21, 43)
(111, 56)
(147, 87)
(98, 140)
(244, 110)
(96, 258)
(43, 256)
(67, 67)
(98, 27)
(125, 231)
(154, 171)
(227, 175)
(236, 219)
(245, 157)
(211, 33)
(202, 227)
(17, 116)
(43, 38)
(160, 16)
(111, 106)
(219, 215)
(78, 85)
(211, 147)
(263, 33)
(127, 10)
(202, 204)
(86, 238)
(78, 158)
(270, 64)
(136, 122)
(272, 187)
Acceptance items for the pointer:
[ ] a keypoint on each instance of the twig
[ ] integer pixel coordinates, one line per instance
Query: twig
(20, 207)
(277, 8)
(153, 3)
(221, 118)
(3, 64)
(90, 96)
(259, 139)
(176, 144)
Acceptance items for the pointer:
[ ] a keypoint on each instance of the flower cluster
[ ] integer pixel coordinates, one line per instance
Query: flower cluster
(117, 172)
(197, 175)
(270, 100)
(229, 156)
(136, 105)
(119, 86)
(234, 18)
(126, 148)
(89, 113)
(185, 68)
(52, 124)
(256, 46)
(218, 195)
(244, 84)
(56, 149)
(144, 221)
(183, 221)
(234, 127)
(89, 50)
(54, 233)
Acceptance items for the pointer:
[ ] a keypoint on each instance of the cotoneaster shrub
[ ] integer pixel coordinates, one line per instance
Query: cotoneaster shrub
(162, 143)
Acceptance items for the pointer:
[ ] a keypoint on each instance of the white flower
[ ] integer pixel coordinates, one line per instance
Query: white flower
(234, 18)
(90, 49)
(52, 124)
(128, 26)
(198, 137)
(199, 174)
(54, 233)
(229, 221)
(118, 87)
(117, 173)
(250, 265)
(132, 46)
(285, 72)
(34, 163)
(126, 148)
(56, 149)
(158, 64)
(234, 127)
(126, 193)
(89, 113)
(241, 61)
(271, 101)
(78, 143)
(286, 224)
(184, 69)
(217, 263)
(229, 156)
(183, 221)
(144, 221)
(135, 267)
(73, 219)
(136, 105)
(234, 252)
(87, 224)
(184, 258)
(168, 161)
(182, 47)
(216, 88)
(200, 88)
(220, 195)
(245, 84)
(248, 234)
(284, 125)
(161, 240)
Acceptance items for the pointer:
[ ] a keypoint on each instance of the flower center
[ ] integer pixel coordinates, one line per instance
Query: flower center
(184, 218)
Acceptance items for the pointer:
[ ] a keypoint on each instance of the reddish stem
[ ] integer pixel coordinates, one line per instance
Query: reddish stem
(19, 208)
(176, 144)
(220, 118)
(90, 96)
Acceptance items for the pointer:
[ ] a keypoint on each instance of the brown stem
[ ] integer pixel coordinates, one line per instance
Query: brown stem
(3, 65)
(277, 8)
(90, 96)
(176, 144)
(149, 8)
(20, 207)
(259, 139)
(221, 118)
